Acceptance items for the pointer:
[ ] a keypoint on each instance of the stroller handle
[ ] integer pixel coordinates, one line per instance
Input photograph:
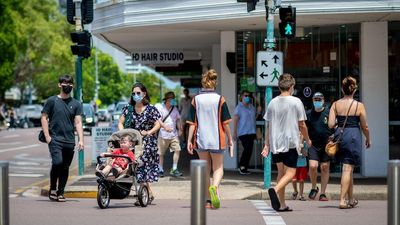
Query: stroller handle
(114, 156)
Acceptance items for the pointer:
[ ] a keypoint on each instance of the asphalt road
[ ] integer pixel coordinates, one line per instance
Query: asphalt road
(29, 160)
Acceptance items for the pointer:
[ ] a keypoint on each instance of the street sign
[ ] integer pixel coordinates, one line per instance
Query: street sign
(269, 68)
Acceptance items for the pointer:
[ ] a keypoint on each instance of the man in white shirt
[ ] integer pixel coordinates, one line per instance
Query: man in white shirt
(285, 117)
(170, 130)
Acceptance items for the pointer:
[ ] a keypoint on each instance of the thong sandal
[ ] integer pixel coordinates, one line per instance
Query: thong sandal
(274, 199)
(286, 209)
(346, 206)
(294, 195)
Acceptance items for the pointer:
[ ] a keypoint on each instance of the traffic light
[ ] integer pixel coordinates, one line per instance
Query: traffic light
(86, 11)
(82, 46)
(287, 26)
(251, 4)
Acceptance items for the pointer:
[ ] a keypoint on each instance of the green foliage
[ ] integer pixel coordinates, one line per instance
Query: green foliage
(113, 84)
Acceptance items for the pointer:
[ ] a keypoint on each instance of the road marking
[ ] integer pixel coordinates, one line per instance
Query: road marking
(16, 168)
(12, 143)
(19, 148)
(25, 175)
(19, 163)
(11, 136)
(13, 195)
(270, 216)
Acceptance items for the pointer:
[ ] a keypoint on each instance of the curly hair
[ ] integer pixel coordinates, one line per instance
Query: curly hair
(209, 79)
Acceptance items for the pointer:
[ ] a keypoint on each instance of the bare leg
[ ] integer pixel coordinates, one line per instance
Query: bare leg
(350, 192)
(324, 176)
(345, 182)
(280, 187)
(313, 173)
(218, 168)
(281, 171)
(294, 182)
(206, 156)
(175, 158)
(162, 161)
(301, 187)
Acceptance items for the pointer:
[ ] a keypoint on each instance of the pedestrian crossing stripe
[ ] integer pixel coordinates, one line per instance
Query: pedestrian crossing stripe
(270, 216)
(25, 175)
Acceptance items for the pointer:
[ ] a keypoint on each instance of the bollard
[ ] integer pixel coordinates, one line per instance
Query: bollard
(393, 192)
(198, 174)
(4, 201)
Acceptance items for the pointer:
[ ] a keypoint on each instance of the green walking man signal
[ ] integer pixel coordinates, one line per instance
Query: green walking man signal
(287, 26)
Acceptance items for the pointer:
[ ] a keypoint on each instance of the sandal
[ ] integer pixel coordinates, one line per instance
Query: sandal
(323, 198)
(274, 199)
(286, 209)
(294, 195)
(313, 193)
(151, 199)
(353, 204)
(209, 205)
(302, 198)
(347, 206)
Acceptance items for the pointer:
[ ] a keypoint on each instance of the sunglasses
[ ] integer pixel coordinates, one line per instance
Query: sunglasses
(246, 95)
(66, 85)
(137, 93)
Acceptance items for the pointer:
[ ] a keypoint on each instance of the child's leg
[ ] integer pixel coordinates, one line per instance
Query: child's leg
(301, 186)
(106, 170)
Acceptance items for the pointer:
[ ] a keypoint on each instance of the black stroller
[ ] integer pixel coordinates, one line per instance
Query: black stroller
(120, 187)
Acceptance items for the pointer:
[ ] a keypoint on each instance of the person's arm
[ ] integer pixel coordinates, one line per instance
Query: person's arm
(332, 116)
(190, 138)
(265, 150)
(230, 142)
(304, 131)
(179, 126)
(153, 130)
(79, 130)
(235, 125)
(121, 122)
(364, 125)
(45, 127)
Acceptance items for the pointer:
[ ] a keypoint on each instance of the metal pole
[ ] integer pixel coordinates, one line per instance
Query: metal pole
(78, 71)
(4, 201)
(269, 44)
(393, 192)
(198, 201)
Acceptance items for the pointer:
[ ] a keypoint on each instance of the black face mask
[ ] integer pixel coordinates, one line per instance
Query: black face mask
(67, 89)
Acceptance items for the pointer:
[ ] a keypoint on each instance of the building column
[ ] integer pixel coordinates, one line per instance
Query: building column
(226, 81)
(375, 96)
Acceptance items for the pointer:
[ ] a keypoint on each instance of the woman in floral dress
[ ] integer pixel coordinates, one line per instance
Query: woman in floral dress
(142, 116)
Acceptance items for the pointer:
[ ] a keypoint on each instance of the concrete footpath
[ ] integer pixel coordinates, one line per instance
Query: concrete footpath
(234, 186)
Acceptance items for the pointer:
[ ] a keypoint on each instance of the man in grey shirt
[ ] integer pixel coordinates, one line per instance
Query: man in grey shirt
(285, 117)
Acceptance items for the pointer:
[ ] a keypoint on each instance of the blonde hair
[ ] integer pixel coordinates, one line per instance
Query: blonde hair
(286, 81)
(209, 79)
(349, 85)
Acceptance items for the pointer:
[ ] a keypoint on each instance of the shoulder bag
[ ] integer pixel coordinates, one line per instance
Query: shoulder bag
(332, 146)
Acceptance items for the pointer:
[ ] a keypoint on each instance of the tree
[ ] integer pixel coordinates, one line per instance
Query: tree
(113, 84)
(10, 39)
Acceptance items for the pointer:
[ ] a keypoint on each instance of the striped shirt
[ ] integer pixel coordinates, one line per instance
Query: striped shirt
(209, 113)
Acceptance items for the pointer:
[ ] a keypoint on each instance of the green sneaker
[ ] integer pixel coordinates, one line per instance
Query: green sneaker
(214, 197)
(175, 173)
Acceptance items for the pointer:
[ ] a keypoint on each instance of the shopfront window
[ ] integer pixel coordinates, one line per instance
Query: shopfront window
(394, 90)
(319, 59)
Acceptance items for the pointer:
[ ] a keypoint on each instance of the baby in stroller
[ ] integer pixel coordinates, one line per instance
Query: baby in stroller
(116, 166)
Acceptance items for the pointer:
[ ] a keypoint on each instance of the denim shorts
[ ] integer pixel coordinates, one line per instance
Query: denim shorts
(214, 151)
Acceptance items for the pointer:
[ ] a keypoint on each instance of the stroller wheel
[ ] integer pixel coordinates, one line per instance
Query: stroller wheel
(103, 197)
(143, 196)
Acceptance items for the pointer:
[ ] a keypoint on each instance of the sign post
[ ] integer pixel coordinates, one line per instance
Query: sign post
(269, 68)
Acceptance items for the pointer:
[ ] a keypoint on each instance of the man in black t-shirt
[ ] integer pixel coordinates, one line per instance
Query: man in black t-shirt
(317, 124)
(59, 115)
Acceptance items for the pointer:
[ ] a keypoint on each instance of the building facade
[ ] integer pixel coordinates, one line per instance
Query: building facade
(333, 39)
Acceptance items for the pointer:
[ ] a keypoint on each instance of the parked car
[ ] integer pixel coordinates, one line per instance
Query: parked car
(116, 115)
(30, 114)
(103, 115)
(89, 118)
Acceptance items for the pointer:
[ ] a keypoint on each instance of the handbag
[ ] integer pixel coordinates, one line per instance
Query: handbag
(332, 146)
(41, 137)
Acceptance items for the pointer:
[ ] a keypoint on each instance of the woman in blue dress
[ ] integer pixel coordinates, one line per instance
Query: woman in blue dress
(350, 145)
(142, 116)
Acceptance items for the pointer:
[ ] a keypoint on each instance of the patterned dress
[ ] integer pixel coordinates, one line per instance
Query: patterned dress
(149, 171)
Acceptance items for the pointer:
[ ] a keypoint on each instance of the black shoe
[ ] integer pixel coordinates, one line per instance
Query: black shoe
(313, 193)
(243, 171)
(162, 174)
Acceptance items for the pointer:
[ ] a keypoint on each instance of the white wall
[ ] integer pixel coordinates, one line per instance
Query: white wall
(227, 83)
(374, 85)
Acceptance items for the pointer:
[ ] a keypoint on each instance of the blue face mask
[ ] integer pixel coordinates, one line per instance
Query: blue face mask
(318, 104)
(137, 98)
(247, 99)
(172, 102)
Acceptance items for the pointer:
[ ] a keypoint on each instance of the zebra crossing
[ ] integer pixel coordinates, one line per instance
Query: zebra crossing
(270, 216)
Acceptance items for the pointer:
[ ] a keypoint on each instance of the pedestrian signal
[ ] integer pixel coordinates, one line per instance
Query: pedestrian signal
(83, 43)
(287, 26)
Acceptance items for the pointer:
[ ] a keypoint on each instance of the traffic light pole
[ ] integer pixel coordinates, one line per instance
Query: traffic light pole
(78, 72)
(269, 45)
